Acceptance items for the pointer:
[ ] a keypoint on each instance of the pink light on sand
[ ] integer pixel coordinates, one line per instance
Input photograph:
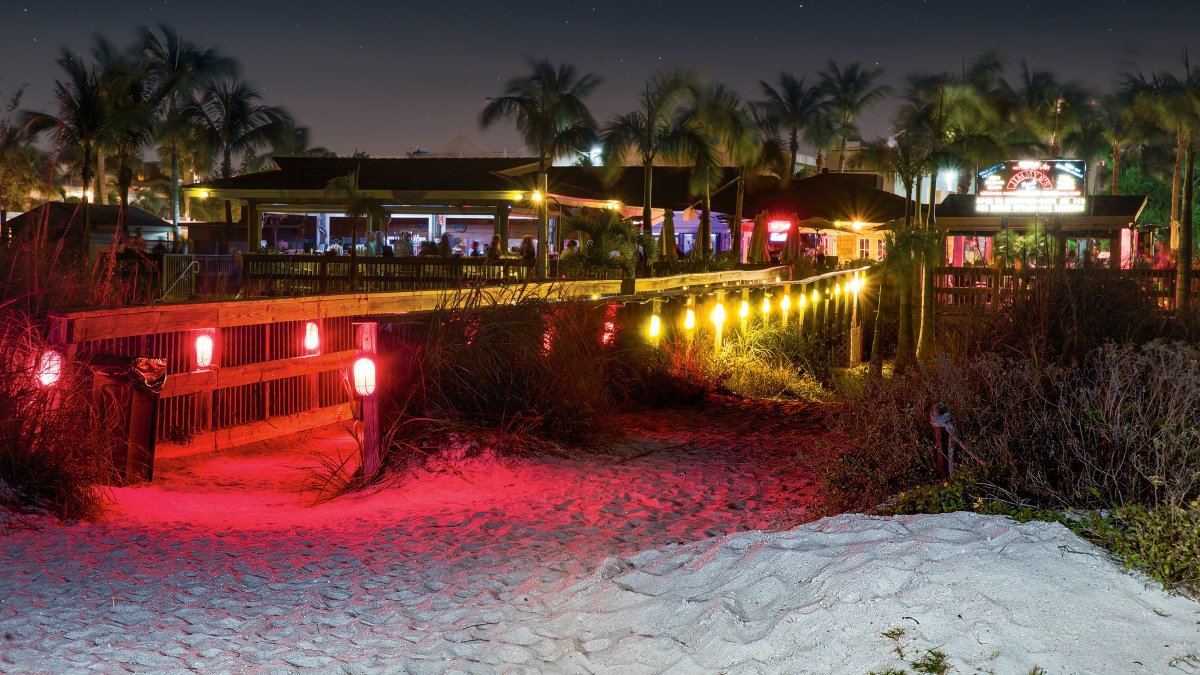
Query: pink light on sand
(49, 368)
(364, 376)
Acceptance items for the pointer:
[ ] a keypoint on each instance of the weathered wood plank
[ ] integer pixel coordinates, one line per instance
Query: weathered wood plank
(180, 384)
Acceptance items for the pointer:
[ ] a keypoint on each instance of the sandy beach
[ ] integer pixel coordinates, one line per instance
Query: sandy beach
(691, 546)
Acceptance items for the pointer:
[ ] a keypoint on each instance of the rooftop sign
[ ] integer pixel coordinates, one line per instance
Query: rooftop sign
(1033, 186)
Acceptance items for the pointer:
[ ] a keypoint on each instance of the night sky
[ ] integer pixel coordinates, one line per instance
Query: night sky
(384, 76)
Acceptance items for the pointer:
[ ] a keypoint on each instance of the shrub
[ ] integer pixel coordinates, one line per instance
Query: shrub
(53, 455)
(1164, 541)
(530, 365)
(1118, 427)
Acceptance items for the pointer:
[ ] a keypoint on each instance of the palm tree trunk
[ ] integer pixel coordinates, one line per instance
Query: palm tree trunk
(542, 260)
(647, 190)
(705, 233)
(735, 229)
(1183, 281)
(794, 147)
(100, 177)
(904, 338)
(877, 336)
(1179, 146)
(176, 233)
(1116, 174)
(842, 159)
(929, 261)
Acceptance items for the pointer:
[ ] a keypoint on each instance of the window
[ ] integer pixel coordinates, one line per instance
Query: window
(882, 249)
(864, 247)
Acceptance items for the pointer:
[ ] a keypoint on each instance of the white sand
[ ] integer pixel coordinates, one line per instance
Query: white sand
(666, 562)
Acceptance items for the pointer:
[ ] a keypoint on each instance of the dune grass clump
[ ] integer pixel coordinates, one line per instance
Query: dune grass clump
(54, 457)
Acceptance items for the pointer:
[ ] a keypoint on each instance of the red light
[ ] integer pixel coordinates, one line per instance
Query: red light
(778, 226)
(49, 368)
(364, 376)
(610, 331)
(312, 337)
(204, 350)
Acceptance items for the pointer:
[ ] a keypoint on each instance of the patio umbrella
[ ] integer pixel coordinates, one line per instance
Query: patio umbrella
(792, 251)
(666, 239)
(758, 253)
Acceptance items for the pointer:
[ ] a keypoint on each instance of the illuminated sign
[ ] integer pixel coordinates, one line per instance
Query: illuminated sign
(1033, 186)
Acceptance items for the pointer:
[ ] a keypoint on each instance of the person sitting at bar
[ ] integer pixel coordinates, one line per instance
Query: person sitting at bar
(428, 248)
(493, 252)
(527, 253)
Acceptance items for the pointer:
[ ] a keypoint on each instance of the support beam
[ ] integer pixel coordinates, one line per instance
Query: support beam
(253, 226)
(501, 225)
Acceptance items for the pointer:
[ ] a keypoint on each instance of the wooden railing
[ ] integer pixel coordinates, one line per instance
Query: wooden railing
(263, 383)
(960, 288)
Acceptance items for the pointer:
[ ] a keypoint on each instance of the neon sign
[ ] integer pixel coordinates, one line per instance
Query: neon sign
(1037, 186)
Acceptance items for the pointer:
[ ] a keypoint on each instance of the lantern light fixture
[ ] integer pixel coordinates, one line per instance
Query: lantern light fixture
(312, 337)
(689, 319)
(364, 376)
(655, 326)
(49, 368)
(204, 351)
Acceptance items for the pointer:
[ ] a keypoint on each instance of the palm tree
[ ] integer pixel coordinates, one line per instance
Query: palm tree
(794, 107)
(176, 68)
(547, 106)
(1045, 109)
(130, 107)
(717, 125)
(652, 131)
(607, 232)
(231, 120)
(821, 135)
(22, 165)
(947, 120)
(359, 204)
(78, 126)
(758, 150)
(898, 157)
(850, 92)
(292, 141)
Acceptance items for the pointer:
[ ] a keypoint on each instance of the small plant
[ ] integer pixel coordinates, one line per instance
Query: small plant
(1164, 541)
(932, 661)
(894, 635)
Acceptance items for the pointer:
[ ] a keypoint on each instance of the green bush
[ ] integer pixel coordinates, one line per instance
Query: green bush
(1164, 541)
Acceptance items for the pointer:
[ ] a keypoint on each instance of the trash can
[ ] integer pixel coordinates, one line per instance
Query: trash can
(126, 390)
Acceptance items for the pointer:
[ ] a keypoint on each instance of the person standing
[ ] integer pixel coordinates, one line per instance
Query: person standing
(404, 247)
(444, 249)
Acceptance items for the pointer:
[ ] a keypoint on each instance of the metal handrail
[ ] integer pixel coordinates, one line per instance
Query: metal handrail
(187, 268)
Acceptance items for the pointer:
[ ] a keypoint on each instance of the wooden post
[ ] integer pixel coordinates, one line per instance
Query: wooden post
(501, 226)
(253, 226)
(366, 338)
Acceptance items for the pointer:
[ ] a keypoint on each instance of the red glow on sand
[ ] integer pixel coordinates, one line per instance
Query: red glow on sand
(49, 368)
